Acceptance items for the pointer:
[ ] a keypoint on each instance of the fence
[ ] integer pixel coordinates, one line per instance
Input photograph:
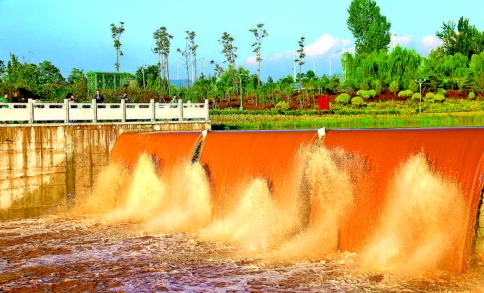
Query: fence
(69, 112)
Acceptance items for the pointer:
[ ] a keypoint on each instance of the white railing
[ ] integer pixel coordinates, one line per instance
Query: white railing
(95, 112)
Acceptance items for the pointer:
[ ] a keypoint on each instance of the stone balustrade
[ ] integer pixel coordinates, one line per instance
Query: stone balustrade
(68, 112)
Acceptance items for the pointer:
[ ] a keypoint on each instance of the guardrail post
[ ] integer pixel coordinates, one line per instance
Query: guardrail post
(152, 106)
(180, 107)
(67, 108)
(206, 110)
(94, 108)
(123, 106)
(31, 111)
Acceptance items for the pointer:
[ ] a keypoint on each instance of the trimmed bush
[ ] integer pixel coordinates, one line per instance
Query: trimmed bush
(405, 94)
(471, 96)
(439, 97)
(343, 98)
(357, 101)
(416, 96)
(281, 106)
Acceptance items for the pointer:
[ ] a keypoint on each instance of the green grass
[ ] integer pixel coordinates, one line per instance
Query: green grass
(390, 114)
(280, 121)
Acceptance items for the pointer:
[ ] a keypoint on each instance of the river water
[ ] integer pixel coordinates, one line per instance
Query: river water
(64, 253)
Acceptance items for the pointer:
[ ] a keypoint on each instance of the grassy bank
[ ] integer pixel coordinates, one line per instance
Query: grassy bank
(246, 120)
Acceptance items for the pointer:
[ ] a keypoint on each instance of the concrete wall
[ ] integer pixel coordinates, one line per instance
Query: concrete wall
(43, 165)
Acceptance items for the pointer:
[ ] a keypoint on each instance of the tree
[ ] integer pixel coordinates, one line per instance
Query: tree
(466, 40)
(259, 34)
(301, 55)
(229, 51)
(370, 29)
(162, 51)
(77, 83)
(189, 52)
(193, 50)
(116, 34)
(2, 70)
(49, 74)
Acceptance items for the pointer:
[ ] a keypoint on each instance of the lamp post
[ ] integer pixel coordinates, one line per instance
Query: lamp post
(420, 81)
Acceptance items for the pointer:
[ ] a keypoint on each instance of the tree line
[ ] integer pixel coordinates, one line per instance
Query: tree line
(458, 64)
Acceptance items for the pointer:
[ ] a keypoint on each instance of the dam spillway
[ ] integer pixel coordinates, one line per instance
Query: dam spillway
(401, 198)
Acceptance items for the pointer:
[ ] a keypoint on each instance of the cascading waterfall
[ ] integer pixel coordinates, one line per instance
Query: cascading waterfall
(402, 199)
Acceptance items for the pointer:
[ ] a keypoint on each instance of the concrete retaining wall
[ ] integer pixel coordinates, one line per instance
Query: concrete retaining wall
(43, 165)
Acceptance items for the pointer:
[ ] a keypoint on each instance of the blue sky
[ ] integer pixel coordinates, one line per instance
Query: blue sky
(77, 34)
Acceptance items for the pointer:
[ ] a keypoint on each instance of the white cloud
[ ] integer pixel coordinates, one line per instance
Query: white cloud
(403, 41)
(251, 60)
(428, 43)
(282, 55)
(324, 45)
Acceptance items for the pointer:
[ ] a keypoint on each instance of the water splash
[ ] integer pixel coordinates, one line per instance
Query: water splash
(421, 227)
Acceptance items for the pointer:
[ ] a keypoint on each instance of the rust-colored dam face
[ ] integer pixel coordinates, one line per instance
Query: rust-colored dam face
(402, 198)
(166, 148)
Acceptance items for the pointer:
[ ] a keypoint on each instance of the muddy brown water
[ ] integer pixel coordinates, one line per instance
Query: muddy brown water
(85, 254)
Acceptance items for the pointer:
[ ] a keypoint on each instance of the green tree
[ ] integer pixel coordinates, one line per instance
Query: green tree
(229, 51)
(2, 70)
(259, 33)
(116, 32)
(49, 74)
(162, 51)
(77, 84)
(370, 29)
(151, 75)
(193, 50)
(187, 53)
(300, 54)
(466, 39)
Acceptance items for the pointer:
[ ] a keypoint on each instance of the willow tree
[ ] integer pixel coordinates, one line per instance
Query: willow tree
(116, 32)
(369, 27)
(364, 71)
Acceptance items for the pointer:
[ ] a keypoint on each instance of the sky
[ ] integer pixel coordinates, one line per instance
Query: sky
(77, 34)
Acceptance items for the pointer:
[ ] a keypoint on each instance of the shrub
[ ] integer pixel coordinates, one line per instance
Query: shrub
(376, 86)
(471, 96)
(439, 97)
(364, 94)
(405, 94)
(416, 96)
(429, 97)
(282, 106)
(357, 101)
(343, 98)
(372, 93)
(394, 87)
(413, 86)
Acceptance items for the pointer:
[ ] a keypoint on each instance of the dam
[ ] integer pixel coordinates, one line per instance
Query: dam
(393, 200)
